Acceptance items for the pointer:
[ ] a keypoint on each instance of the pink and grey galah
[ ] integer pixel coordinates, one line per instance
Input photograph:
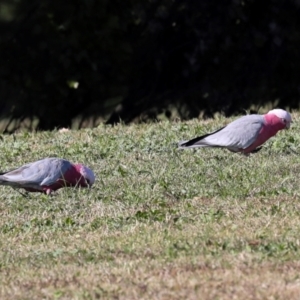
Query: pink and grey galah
(245, 134)
(48, 175)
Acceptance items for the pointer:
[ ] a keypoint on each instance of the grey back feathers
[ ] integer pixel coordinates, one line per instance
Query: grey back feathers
(42, 172)
(238, 134)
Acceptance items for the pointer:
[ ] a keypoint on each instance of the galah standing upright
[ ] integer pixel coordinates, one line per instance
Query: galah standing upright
(48, 175)
(244, 134)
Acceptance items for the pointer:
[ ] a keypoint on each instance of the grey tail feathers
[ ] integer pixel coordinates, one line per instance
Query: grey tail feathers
(192, 143)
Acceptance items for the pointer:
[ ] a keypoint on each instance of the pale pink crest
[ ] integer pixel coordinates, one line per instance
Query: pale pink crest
(283, 115)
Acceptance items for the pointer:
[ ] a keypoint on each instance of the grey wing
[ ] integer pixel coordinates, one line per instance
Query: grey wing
(239, 134)
(58, 168)
(41, 172)
(22, 175)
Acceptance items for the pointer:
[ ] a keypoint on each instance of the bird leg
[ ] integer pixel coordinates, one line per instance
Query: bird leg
(48, 192)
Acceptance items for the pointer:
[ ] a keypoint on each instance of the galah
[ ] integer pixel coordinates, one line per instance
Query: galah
(245, 134)
(48, 175)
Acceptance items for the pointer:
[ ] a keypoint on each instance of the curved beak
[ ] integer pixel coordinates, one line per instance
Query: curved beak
(287, 123)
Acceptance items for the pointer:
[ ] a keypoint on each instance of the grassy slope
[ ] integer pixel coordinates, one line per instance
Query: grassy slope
(159, 223)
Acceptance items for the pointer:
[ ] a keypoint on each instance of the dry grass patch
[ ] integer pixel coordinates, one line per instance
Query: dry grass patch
(148, 279)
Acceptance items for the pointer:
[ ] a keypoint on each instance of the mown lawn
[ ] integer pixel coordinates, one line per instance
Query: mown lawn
(159, 223)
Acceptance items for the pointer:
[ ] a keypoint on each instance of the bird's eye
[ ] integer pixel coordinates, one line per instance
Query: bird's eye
(284, 121)
(87, 181)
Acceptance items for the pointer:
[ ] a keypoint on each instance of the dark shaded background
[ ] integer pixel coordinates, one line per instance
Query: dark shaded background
(133, 60)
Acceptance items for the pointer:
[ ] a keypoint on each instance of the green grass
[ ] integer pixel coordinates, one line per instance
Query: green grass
(159, 223)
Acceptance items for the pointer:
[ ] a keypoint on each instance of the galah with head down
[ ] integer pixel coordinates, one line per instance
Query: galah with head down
(245, 134)
(48, 175)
